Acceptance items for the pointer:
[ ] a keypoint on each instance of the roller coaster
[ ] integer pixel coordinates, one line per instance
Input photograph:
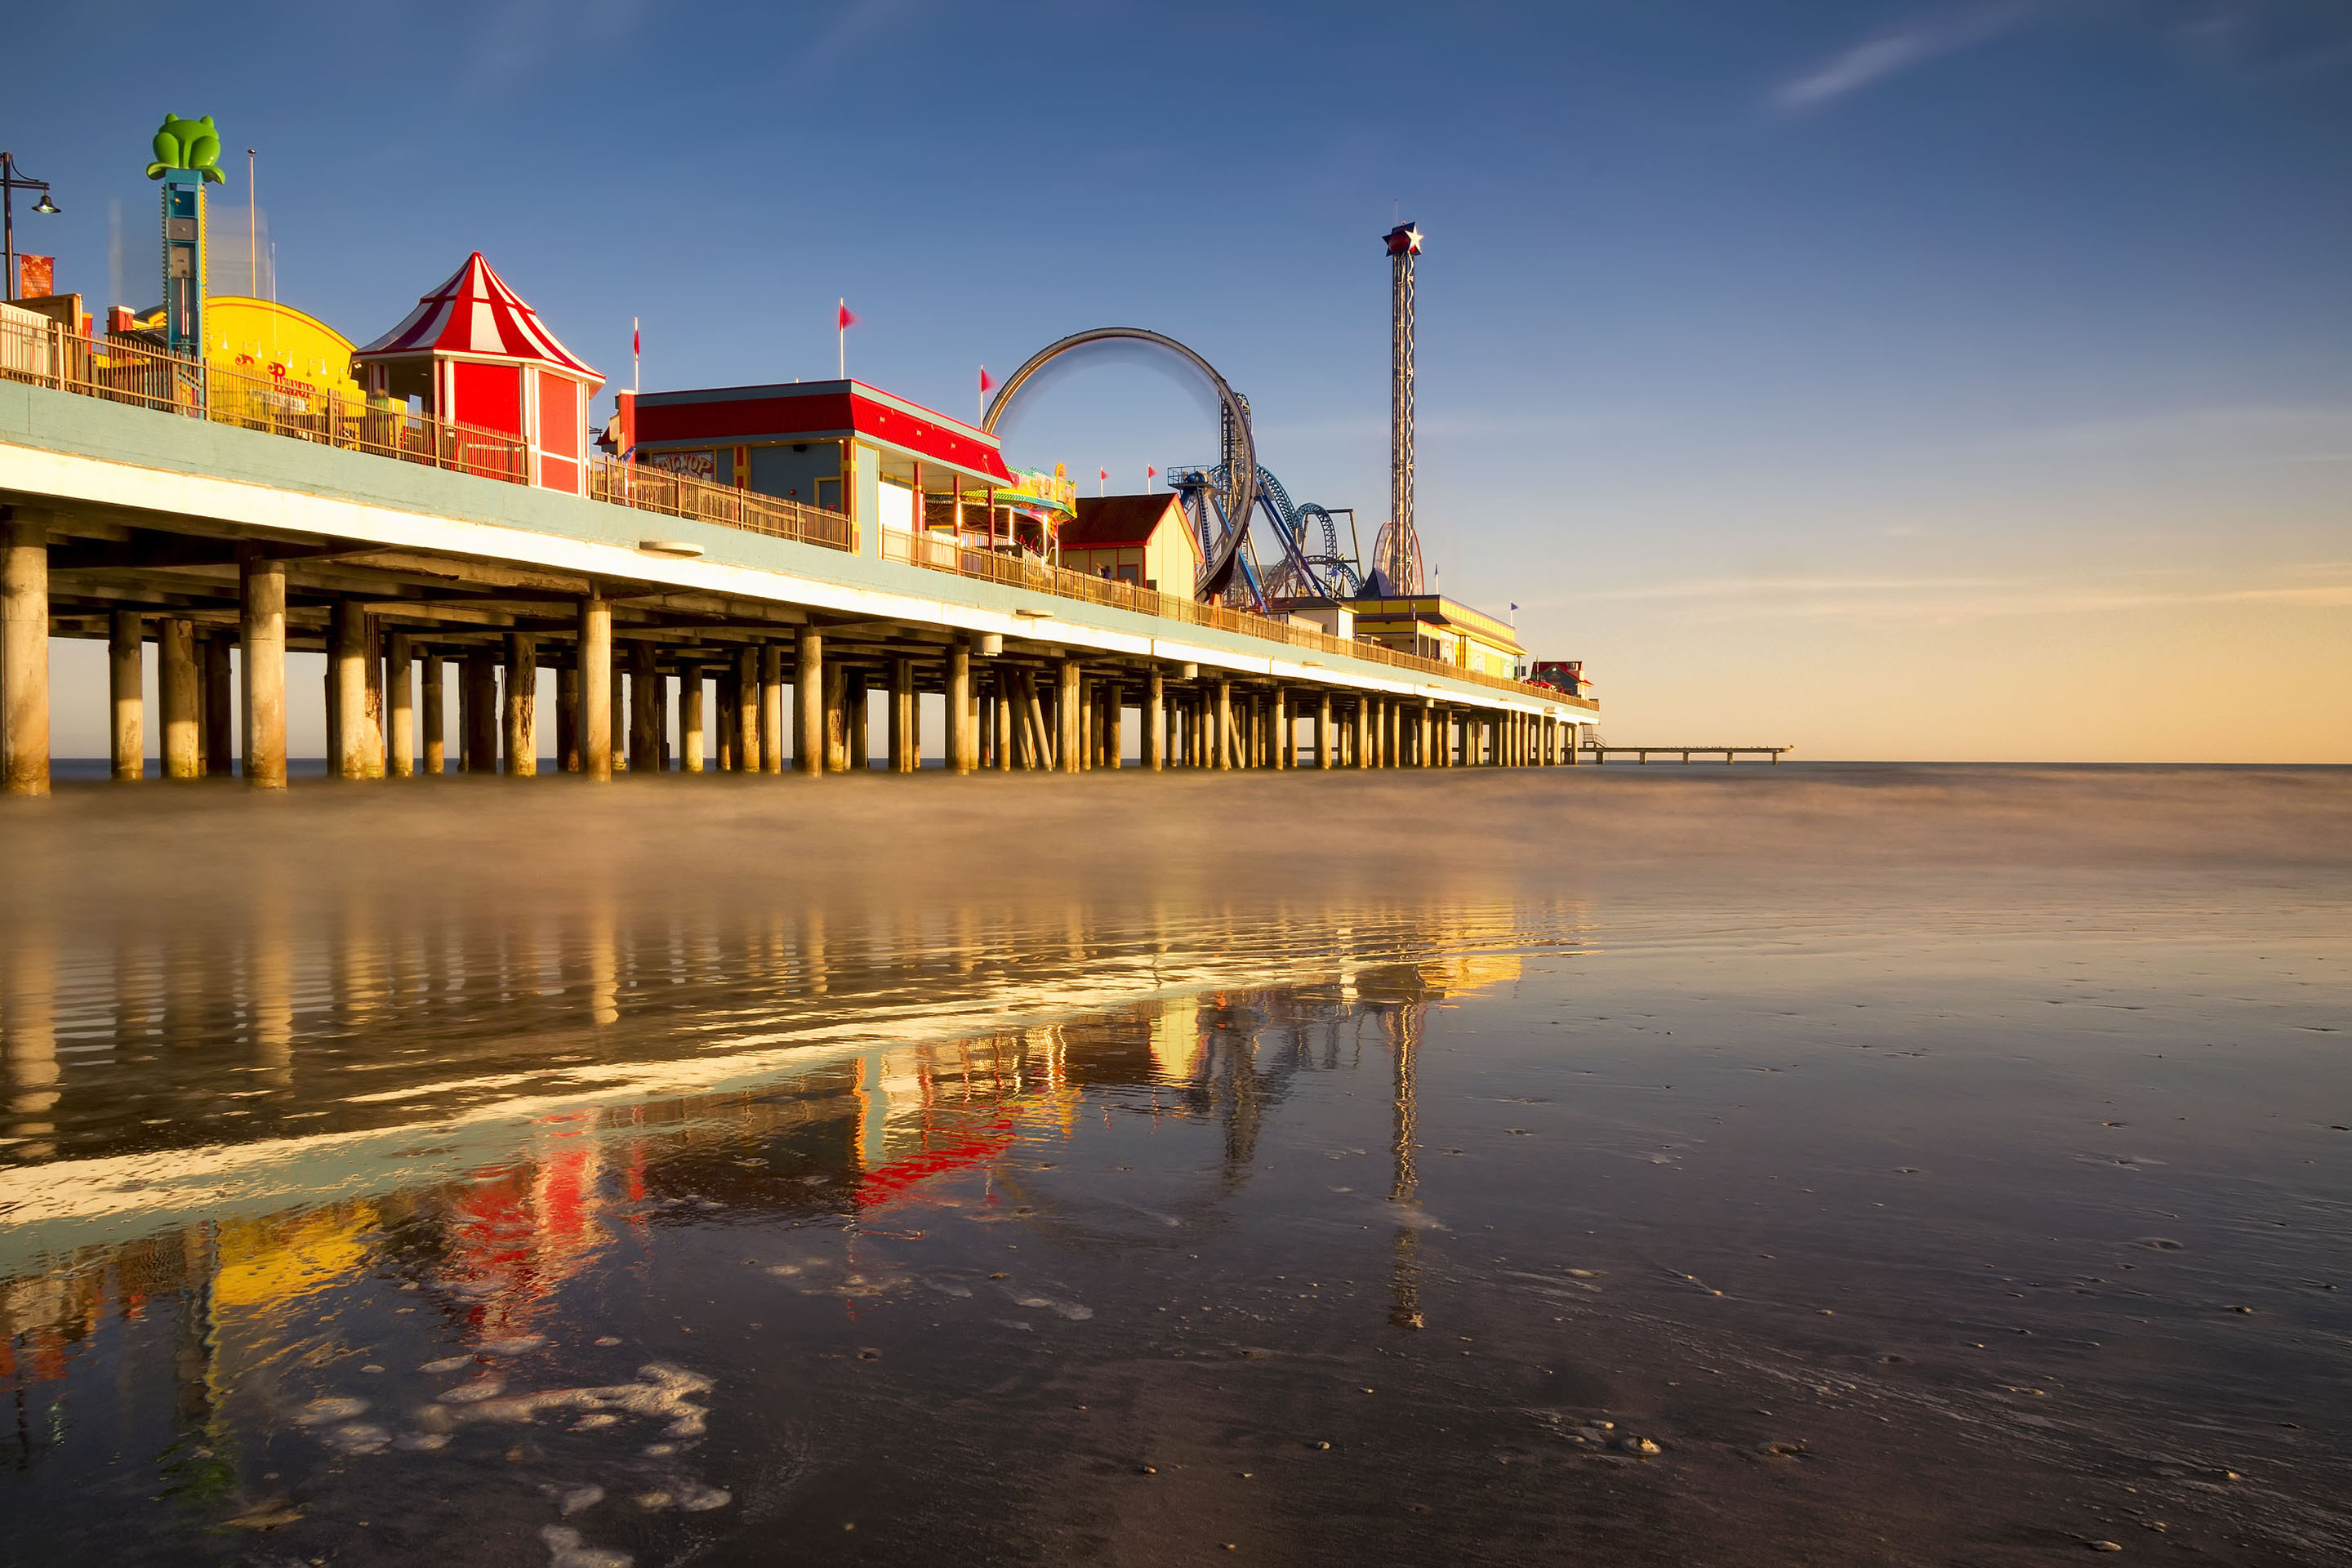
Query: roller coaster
(1222, 499)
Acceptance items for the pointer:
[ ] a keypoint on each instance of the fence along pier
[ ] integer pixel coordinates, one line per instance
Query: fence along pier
(178, 514)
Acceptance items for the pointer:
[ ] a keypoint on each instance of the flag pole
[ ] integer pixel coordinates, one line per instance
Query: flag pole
(841, 332)
(635, 346)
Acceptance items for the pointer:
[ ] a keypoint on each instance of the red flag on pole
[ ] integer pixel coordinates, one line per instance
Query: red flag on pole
(1149, 475)
(848, 317)
(986, 386)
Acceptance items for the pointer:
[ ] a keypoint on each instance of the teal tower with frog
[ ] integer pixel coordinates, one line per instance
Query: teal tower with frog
(187, 158)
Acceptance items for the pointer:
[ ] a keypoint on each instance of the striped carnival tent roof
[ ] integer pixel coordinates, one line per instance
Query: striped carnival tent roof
(475, 313)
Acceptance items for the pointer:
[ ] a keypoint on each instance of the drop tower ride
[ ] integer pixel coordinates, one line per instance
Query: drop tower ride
(1396, 553)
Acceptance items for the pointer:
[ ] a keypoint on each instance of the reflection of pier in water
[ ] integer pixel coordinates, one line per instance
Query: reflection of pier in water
(490, 1246)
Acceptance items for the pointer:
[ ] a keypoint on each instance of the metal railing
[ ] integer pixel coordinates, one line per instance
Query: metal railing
(127, 370)
(652, 489)
(1044, 577)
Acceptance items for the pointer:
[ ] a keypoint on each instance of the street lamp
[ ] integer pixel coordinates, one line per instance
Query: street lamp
(11, 181)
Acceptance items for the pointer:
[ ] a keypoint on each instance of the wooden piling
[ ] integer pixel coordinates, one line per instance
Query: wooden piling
(902, 709)
(126, 691)
(220, 708)
(25, 655)
(746, 710)
(261, 591)
(645, 706)
(372, 736)
(521, 710)
(482, 699)
(400, 706)
(837, 717)
(808, 706)
(433, 715)
(596, 687)
(1068, 698)
(347, 689)
(690, 738)
(619, 685)
(567, 713)
(861, 713)
(729, 721)
(958, 714)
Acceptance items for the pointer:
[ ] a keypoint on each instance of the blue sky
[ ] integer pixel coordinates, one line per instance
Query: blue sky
(1958, 380)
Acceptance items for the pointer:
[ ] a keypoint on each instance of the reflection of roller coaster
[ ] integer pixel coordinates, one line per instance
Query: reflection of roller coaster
(1222, 499)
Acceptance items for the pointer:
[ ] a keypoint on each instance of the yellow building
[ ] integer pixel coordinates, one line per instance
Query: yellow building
(265, 341)
(1142, 539)
(1435, 626)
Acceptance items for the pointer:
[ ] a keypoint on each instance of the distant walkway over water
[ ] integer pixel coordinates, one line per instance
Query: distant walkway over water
(153, 501)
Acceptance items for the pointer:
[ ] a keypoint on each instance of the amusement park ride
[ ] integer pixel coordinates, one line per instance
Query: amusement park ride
(1223, 498)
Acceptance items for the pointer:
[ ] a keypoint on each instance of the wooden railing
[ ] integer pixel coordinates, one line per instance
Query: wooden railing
(128, 370)
(1044, 577)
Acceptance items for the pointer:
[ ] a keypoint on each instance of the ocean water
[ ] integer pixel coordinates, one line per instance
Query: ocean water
(1659, 1165)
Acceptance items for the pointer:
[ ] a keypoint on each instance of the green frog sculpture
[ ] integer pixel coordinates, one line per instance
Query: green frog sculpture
(192, 144)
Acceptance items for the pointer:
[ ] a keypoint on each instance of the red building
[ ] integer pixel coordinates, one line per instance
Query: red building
(839, 445)
(473, 353)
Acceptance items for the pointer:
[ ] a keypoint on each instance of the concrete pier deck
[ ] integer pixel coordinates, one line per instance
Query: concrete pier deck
(166, 530)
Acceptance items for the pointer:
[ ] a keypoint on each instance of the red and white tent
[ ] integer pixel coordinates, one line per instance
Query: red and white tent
(476, 353)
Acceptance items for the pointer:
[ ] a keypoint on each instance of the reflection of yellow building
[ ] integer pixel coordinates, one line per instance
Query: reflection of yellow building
(267, 1262)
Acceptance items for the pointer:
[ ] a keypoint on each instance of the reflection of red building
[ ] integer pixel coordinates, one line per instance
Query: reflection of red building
(514, 1240)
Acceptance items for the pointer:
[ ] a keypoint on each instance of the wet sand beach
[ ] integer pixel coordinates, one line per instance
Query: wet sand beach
(1746, 1166)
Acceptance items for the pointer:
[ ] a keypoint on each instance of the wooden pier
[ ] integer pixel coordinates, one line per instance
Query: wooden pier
(1599, 751)
(675, 616)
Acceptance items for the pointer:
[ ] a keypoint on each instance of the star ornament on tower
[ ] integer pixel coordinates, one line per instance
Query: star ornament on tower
(1405, 241)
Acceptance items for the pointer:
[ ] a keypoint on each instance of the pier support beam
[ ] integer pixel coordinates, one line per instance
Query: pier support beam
(596, 687)
(619, 686)
(808, 704)
(645, 707)
(861, 724)
(434, 712)
(220, 708)
(261, 586)
(690, 737)
(347, 691)
(902, 716)
(746, 710)
(837, 718)
(179, 689)
(126, 689)
(730, 723)
(567, 713)
(960, 727)
(521, 714)
(1155, 721)
(1003, 738)
(400, 706)
(479, 709)
(25, 656)
(1068, 700)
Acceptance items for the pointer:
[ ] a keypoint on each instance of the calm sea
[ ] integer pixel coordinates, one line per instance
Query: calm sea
(1656, 1165)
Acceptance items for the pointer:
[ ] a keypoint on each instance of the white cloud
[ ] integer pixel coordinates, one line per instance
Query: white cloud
(1914, 42)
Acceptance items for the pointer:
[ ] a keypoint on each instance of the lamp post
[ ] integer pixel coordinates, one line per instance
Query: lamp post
(11, 181)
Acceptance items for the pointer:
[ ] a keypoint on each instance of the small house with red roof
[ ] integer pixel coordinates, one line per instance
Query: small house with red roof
(474, 352)
(1144, 539)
